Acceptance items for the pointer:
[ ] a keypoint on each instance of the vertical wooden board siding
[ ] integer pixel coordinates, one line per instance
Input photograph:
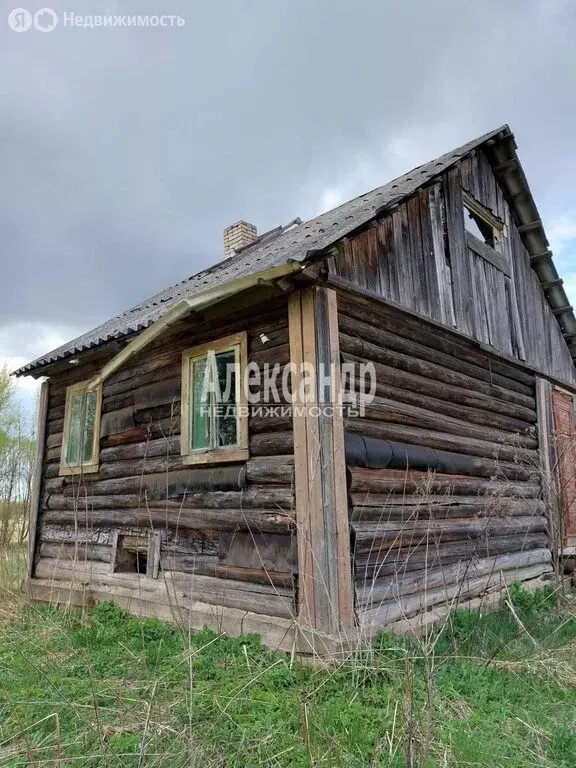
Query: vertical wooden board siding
(345, 590)
(548, 461)
(462, 277)
(440, 257)
(389, 280)
(321, 503)
(563, 407)
(35, 494)
(426, 266)
(405, 258)
(324, 463)
(307, 612)
(315, 523)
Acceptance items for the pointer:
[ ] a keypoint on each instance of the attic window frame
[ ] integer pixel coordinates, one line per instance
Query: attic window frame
(239, 451)
(472, 207)
(81, 467)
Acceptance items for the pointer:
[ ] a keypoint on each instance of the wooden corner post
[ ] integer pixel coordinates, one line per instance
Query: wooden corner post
(36, 485)
(324, 560)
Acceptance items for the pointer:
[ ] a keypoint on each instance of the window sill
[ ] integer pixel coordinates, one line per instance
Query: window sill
(216, 457)
(83, 469)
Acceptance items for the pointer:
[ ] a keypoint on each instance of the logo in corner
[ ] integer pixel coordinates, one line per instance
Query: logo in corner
(20, 20)
(45, 20)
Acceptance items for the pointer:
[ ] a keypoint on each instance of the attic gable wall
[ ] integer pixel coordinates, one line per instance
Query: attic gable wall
(418, 257)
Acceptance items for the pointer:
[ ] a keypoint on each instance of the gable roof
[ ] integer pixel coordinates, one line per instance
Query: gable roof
(304, 241)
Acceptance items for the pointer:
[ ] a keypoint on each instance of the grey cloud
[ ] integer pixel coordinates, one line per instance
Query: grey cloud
(124, 152)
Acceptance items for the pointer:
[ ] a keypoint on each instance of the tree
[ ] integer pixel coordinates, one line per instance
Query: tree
(16, 464)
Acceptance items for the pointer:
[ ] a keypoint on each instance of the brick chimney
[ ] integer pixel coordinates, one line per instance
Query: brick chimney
(238, 236)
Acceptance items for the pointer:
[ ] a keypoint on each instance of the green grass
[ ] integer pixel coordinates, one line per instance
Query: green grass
(106, 689)
(12, 570)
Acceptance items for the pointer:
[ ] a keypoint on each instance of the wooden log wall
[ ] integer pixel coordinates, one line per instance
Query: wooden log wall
(421, 537)
(227, 531)
(419, 257)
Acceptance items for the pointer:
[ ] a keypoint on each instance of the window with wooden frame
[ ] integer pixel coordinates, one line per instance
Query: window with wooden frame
(81, 439)
(214, 407)
(484, 231)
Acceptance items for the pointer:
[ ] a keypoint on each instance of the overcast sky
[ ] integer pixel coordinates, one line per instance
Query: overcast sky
(124, 152)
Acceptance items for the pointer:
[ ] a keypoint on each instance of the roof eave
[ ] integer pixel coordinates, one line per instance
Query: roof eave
(510, 174)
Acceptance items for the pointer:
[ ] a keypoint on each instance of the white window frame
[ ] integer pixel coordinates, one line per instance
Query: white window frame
(239, 452)
(81, 467)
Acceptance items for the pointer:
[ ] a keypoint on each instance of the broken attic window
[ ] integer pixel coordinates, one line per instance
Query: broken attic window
(480, 228)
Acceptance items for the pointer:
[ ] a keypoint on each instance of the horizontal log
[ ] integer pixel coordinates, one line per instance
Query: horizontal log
(269, 423)
(376, 354)
(53, 454)
(177, 587)
(163, 485)
(430, 387)
(380, 590)
(163, 368)
(256, 575)
(260, 470)
(520, 428)
(269, 497)
(163, 446)
(76, 551)
(272, 444)
(167, 428)
(384, 409)
(390, 454)
(203, 565)
(410, 605)
(275, 470)
(261, 598)
(56, 568)
(56, 412)
(229, 585)
(54, 440)
(381, 563)
(55, 427)
(370, 535)
(442, 441)
(409, 482)
(385, 339)
(266, 338)
(373, 507)
(373, 311)
(118, 402)
(179, 519)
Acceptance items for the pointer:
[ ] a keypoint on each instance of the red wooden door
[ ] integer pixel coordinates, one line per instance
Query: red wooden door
(563, 407)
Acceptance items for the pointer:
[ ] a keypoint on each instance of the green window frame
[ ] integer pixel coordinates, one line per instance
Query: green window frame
(81, 438)
(214, 408)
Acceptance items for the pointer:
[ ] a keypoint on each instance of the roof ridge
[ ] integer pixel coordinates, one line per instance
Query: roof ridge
(291, 244)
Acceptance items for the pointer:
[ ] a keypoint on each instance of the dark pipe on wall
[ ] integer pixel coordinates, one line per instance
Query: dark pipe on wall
(370, 453)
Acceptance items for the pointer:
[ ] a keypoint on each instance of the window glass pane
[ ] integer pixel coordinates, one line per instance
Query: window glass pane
(226, 418)
(90, 403)
(82, 423)
(74, 430)
(200, 411)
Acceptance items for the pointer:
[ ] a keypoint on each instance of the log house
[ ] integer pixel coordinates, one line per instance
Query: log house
(308, 525)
